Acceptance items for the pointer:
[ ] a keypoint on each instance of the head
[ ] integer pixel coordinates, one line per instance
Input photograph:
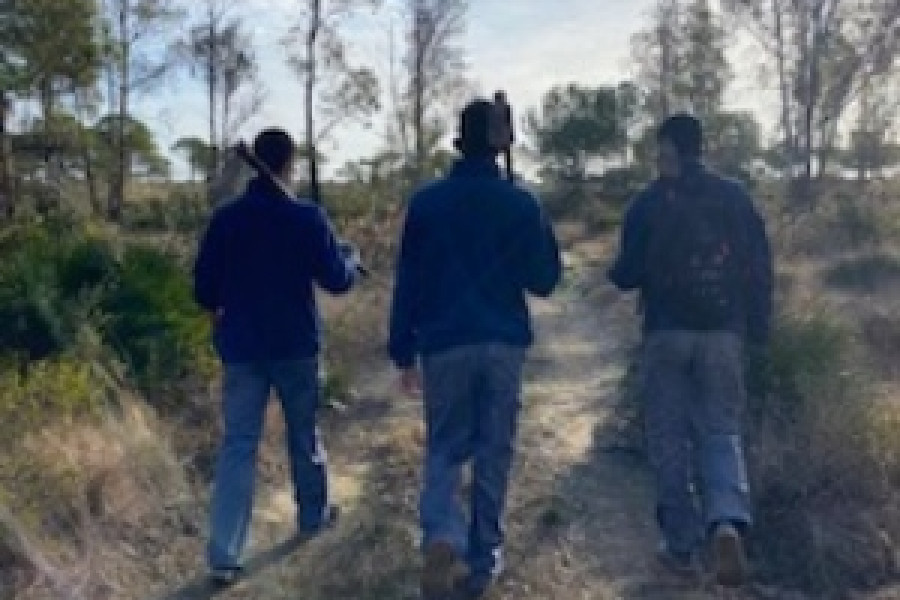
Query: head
(500, 97)
(473, 138)
(275, 148)
(680, 140)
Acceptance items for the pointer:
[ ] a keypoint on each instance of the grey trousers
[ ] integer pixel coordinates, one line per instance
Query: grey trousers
(694, 399)
(472, 400)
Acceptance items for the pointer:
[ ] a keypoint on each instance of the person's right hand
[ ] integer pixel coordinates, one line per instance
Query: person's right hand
(351, 255)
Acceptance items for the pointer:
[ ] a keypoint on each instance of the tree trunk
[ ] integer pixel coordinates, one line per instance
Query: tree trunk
(790, 141)
(212, 81)
(314, 27)
(117, 189)
(419, 89)
(90, 177)
(7, 201)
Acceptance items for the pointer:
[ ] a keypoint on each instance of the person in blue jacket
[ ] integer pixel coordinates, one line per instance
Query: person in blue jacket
(257, 266)
(696, 249)
(473, 245)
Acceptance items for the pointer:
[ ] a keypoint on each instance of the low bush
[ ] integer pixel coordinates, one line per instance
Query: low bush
(57, 283)
(151, 320)
(864, 273)
(816, 470)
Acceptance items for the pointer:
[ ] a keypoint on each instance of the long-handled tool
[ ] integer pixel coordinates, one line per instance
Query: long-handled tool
(247, 155)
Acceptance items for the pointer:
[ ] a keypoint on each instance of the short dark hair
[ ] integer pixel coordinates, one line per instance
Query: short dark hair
(275, 148)
(685, 132)
(474, 128)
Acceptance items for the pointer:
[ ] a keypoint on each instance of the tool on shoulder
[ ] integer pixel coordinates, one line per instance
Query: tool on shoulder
(246, 154)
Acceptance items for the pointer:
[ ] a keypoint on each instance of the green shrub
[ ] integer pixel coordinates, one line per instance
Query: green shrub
(619, 185)
(146, 215)
(52, 390)
(58, 281)
(85, 264)
(151, 319)
(860, 221)
(807, 362)
(32, 323)
(184, 211)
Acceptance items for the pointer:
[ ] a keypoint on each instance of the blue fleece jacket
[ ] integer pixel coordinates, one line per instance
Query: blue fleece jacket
(258, 262)
(628, 271)
(473, 244)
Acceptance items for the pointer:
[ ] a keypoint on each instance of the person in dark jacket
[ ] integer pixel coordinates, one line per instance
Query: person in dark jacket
(698, 317)
(473, 245)
(258, 263)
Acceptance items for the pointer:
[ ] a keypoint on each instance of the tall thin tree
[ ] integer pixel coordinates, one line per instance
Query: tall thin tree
(334, 90)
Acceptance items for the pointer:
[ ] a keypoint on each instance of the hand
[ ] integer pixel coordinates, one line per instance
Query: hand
(215, 316)
(410, 381)
(351, 255)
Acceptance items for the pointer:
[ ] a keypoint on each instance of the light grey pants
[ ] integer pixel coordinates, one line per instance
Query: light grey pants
(694, 399)
(472, 400)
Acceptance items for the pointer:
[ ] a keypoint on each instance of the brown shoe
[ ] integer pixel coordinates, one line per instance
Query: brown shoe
(729, 558)
(443, 571)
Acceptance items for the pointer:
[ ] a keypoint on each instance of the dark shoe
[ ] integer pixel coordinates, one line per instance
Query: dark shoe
(443, 573)
(224, 576)
(478, 583)
(475, 587)
(329, 520)
(729, 559)
(683, 564)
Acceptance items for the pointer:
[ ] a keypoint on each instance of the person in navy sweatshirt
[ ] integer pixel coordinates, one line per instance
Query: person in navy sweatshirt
(473, 245)
(257, 266)
(696, 249)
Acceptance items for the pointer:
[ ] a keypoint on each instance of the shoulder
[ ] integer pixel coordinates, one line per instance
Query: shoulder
(226, 214)
(428, 197)
(730, 187)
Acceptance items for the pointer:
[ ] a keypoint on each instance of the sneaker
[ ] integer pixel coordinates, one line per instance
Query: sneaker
(474, 587)
(729, 559)
(478, 583)
(329, 519)
(224, 576)
(682, 564)
(443, 573)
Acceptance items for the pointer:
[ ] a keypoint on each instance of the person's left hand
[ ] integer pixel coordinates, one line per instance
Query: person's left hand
(410, 381)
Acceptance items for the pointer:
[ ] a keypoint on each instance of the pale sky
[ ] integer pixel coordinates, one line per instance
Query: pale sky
(522, 46)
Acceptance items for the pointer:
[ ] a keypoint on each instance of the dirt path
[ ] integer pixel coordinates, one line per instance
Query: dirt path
(579, 520)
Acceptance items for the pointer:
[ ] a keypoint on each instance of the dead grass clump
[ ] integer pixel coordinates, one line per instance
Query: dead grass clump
(100, 502)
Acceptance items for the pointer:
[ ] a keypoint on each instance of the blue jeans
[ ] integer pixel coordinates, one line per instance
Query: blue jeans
(245, 396)
(472, 400)
(694, 398)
